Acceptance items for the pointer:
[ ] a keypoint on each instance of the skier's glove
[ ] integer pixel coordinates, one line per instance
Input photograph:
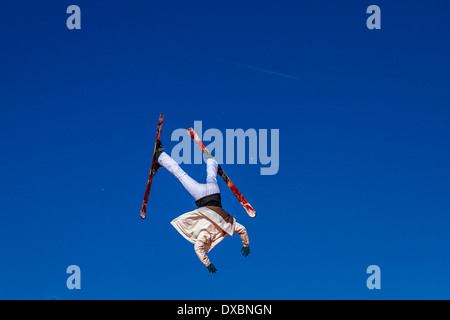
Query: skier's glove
(245, 251)
(211, 268)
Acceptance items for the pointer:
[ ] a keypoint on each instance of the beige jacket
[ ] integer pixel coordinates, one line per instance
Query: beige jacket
(205, 229)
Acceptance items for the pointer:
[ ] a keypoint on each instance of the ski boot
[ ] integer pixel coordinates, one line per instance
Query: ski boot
(158, 150)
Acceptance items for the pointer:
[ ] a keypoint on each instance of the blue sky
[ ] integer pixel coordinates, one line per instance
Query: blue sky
(364, 159)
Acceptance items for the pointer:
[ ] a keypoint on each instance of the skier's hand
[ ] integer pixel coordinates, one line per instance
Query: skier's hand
(211, 268)
(245, 251)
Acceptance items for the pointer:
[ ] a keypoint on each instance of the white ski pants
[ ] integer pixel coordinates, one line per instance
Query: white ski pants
(197, 190)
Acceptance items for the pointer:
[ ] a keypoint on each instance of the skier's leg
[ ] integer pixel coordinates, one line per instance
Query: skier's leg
(196, 189)
(211, 176)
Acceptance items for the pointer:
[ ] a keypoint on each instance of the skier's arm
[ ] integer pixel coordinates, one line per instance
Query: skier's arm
(242, 232)
(203, 239)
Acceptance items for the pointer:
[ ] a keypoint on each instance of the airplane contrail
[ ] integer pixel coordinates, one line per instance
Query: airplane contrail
(258, 69)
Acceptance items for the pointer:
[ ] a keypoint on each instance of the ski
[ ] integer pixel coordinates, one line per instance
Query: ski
(152, 172)
(247, 207)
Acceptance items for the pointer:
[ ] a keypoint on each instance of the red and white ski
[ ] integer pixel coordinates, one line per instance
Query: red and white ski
(152, 171)
(251, 212)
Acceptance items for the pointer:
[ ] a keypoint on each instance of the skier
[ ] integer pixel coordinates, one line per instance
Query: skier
(209, 224)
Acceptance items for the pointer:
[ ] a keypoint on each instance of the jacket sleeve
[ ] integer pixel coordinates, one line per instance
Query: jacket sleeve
(201, 245)
(242, 232)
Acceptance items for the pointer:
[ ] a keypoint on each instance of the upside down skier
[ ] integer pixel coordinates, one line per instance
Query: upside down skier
(209, 224)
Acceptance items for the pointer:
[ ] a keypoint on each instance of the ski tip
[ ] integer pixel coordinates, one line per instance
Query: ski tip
(192, 133)
(251, 212)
